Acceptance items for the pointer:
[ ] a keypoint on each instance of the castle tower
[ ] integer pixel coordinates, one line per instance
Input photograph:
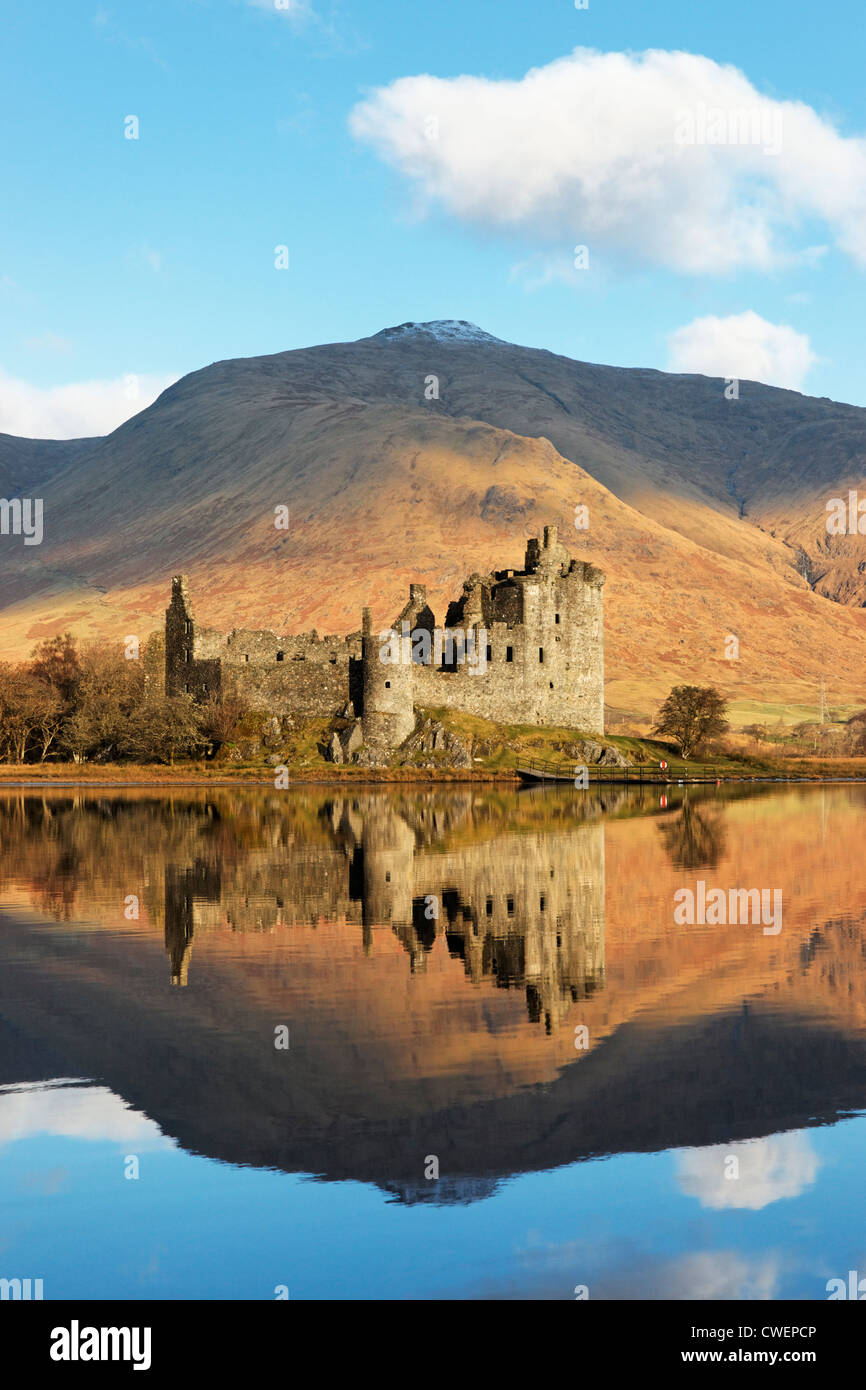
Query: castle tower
(179, 636)
(388, 686)
(185, 670)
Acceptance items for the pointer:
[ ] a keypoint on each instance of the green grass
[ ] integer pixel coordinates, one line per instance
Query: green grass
(511, 744)
(744, 712)
(498, 750)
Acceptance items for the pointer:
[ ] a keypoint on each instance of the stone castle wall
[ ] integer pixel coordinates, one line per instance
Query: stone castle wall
(543, 635)
(305, 675)
(541, 630)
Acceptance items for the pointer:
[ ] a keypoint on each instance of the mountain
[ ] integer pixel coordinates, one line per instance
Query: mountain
(707, 514)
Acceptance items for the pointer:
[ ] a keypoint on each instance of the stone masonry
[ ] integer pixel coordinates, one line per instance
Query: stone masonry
(537, 656)
(306, 674)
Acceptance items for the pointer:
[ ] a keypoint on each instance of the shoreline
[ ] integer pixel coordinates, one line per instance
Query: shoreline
(384, 777)
(381, 777)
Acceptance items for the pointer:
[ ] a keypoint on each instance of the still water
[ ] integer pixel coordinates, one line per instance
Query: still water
(241, 1032)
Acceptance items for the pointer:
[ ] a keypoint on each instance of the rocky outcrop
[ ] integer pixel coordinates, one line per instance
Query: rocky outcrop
(612, 757)
(436, 745)
(272, 733)
(593, 753)
(344, 744)
(430, 745)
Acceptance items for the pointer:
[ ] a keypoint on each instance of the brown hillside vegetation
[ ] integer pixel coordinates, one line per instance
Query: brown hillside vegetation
(706, 514)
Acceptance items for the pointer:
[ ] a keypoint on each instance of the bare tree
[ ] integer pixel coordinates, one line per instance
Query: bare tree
(109, 690)
(219, 717)
(691, 715)
(56, 662)
(30, 713)
(162, 728)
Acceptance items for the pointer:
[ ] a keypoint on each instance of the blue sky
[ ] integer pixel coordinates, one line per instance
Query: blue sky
(191, 1227)
(125, 263)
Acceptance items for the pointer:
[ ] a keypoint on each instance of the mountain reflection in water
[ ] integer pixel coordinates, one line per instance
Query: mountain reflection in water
(493, 977)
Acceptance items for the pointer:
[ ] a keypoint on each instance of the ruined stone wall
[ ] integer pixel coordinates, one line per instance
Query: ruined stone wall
(191, 665)
(305, 674)
(544, 650)
(307, 686)
(544, 655)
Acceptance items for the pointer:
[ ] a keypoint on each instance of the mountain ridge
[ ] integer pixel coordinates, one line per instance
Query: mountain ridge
(708, 515)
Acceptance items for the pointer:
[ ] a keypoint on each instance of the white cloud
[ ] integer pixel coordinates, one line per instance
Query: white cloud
(743, 346)
(547, 268)
(75, 1111)
(713, 1275)
(291, 9)
(145, 257)
(783, 1165)
(48, 342)
(78, 410)
(590, 149)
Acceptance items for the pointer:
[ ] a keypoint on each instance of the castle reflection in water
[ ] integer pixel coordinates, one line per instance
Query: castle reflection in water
(435, 953)
(531, 918)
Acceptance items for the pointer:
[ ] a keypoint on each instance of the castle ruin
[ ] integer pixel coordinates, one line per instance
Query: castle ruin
(518, 647)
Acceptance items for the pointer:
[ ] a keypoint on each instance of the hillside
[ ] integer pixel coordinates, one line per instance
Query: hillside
(707, 515)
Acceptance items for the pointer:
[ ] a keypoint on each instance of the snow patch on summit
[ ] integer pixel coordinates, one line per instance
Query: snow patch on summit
(442, 330)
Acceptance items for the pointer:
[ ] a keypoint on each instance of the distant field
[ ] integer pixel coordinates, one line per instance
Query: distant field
(741, 713)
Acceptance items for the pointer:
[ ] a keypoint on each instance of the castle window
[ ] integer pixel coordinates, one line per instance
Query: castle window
(334, 660)
(489, 908)
(186, 655)
(387, 685)
(541, 655)
(557, 617)
(279, 656)
(187, 626)
(489, 653)
(510, 905)
(551, 685)
(541, 903)
(186, 687)
(246, 656)
(509, 653)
